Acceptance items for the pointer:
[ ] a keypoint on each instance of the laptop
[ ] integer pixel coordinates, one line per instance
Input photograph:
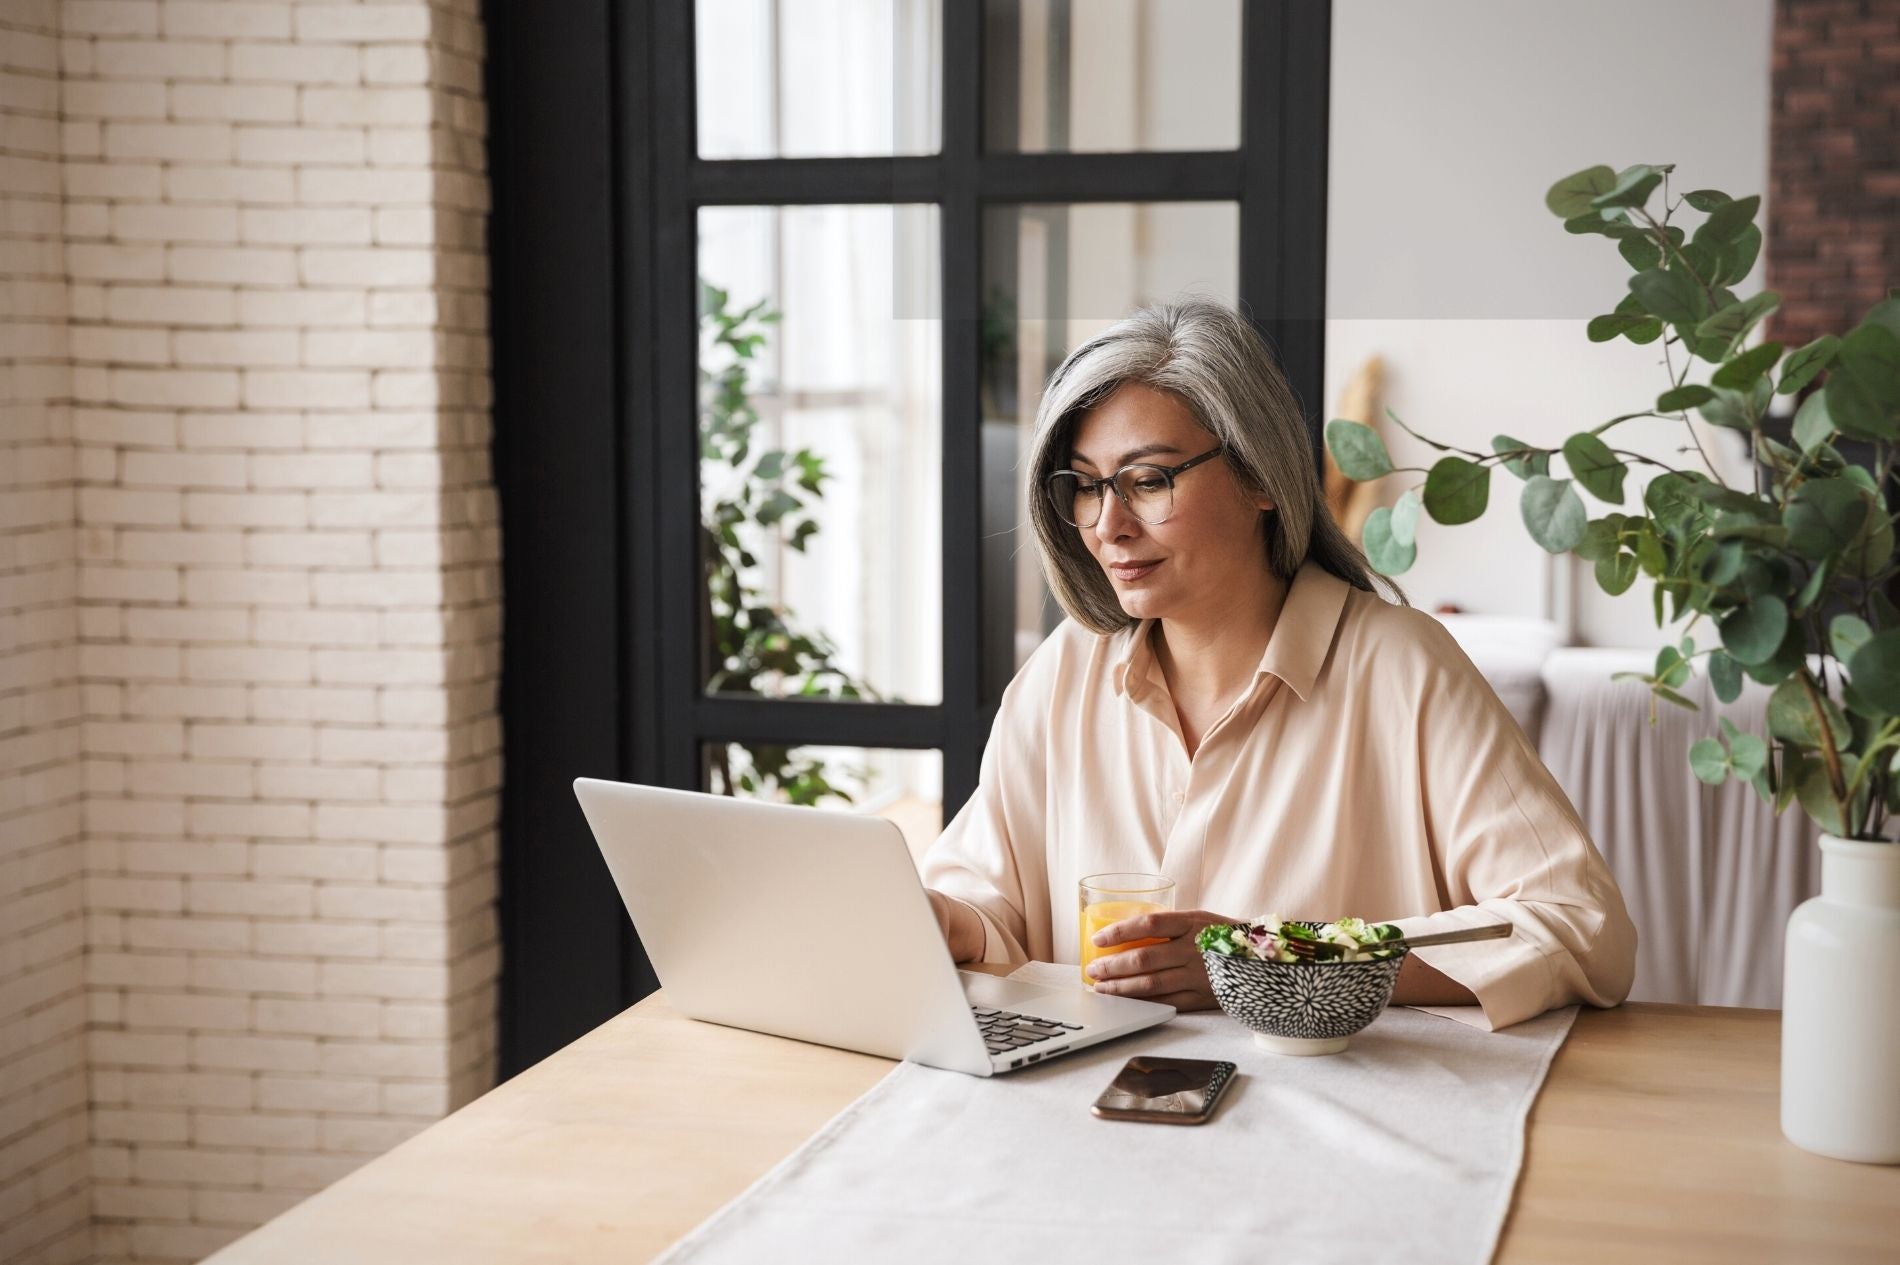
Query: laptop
(814, 925)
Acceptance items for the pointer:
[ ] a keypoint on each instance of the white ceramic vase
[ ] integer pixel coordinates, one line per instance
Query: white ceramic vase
(1840, 1009)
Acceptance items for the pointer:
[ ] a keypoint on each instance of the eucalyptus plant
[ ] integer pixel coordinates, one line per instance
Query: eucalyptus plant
(1788, 580)
(755, 645)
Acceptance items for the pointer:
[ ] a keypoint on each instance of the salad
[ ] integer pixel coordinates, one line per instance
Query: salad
(1346, 940)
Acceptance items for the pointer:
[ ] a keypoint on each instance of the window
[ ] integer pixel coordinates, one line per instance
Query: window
(794, 338)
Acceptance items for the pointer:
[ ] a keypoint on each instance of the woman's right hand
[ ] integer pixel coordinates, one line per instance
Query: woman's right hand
(962, 929)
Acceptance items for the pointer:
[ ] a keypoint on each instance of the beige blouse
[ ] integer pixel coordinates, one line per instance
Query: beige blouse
(1369, 771)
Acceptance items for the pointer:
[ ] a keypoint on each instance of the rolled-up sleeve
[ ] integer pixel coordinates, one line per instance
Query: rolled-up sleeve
(992, 854)
(1508, 846)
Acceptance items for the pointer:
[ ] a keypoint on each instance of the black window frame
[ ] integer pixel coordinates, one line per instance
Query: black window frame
(596, 191)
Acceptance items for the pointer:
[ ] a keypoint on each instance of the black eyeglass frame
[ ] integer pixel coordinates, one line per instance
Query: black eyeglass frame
(1086, 484)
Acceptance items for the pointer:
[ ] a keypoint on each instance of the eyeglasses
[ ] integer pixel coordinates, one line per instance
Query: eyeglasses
(1147, 490)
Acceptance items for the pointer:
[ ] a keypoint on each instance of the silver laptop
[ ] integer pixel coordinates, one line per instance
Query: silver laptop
(814, 925)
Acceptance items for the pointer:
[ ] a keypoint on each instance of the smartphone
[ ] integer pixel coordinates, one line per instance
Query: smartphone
(1165, 1091)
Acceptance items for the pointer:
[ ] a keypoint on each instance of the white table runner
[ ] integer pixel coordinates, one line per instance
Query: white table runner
(1414, 1137)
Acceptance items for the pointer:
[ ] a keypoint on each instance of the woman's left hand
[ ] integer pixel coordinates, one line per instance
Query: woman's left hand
(1171, 972)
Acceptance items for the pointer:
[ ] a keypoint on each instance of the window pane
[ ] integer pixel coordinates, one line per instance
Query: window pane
(1053, 276)
(820, 453)
(1111, 75)
(818, 78)
(905, 786)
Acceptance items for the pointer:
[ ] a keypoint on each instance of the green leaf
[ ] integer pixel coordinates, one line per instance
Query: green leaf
(1601, 538)
(1671, 668)
(1732, 323)
(1729, 499)
(1744, 527)
(1683, 397)
(1705, 199)
(770, 465)
(1602, 329)
(1670, 696)
(1748, 756)
(1669, 295)
(1788, 658)
(1812, 425)
(777, 506)
(1725, 675)
(1791, 717)
(1863, 390)
(1640, 252)
(1553, 513)
(1817, 797)
(1886, 312)
(1387, 555)
(1593, 464)
(1649, 549)
(1723, 563)
(1741, 372)
(1709, 761)
(1752, 632)
(1737, 410)
(1404, 520)
(1871, 549)
(1875, 671)
(1700, 262)
(1846, 634)
(1726, 222)
(1632, 188)
(1456, 490)
(1811, 591)
(1593, 222)
(1576, 194)
(1615, 573)
(1800, 368)
(1737, 259)
(1535, 461)
(1823, 517)
(1671, 497)
(1358, 450)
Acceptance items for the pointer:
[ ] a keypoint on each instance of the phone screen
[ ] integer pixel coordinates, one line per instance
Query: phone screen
(1156, 1087)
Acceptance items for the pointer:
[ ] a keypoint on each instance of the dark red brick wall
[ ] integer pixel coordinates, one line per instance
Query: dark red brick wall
(1833, 205)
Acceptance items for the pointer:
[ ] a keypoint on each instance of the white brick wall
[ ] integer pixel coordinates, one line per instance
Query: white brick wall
(248, 587)
(43, 1091)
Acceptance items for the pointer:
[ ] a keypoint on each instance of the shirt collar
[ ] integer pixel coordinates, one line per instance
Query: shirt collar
(1295, 652)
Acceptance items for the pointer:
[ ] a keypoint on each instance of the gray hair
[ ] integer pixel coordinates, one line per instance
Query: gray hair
(1214, 361)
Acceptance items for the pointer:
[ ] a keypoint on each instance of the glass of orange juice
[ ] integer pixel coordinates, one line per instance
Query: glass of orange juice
(1109, 898)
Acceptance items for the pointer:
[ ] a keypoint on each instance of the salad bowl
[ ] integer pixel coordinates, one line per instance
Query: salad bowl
(1303, 1007)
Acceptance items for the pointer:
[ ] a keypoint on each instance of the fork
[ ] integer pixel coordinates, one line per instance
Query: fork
(1308, 950)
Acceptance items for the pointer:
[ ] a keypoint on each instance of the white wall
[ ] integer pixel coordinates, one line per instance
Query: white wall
(249, 609)
(43, 1119)
(1449, 122)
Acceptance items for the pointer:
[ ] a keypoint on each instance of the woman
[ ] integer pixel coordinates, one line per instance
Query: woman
(1231, 704)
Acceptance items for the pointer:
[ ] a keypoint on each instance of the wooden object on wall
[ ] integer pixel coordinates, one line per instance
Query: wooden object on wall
(1361, 401)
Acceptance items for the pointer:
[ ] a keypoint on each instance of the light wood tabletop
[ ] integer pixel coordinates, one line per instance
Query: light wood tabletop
(1655, 1138)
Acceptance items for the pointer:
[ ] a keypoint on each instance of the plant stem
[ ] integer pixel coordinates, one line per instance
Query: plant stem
(1432, 443)
(1829, 755)
(1637, 456)
(1885, 737)
(1670, 247)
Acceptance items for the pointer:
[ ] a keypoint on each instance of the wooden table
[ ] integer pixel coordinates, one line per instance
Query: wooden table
(1656, 1138)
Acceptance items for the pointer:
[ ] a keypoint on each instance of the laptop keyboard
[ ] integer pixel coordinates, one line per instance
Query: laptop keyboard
(1005, 1030)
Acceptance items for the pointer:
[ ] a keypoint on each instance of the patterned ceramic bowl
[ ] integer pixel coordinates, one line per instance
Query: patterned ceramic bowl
(1302, 1007)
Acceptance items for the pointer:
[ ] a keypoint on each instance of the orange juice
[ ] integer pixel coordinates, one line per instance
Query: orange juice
(1103, 913)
